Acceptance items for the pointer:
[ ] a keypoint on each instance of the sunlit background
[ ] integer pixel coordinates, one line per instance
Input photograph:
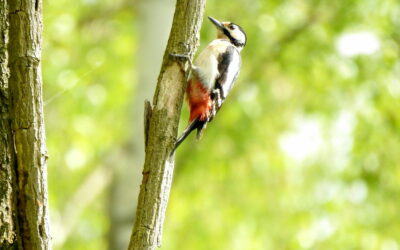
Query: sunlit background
(305, 153)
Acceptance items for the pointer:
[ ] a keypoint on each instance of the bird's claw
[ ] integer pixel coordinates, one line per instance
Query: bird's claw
(217, 97)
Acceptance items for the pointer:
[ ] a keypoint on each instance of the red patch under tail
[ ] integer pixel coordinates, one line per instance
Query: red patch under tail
(199, 100)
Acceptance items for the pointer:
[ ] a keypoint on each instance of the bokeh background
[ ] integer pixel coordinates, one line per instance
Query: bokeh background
(305, 153)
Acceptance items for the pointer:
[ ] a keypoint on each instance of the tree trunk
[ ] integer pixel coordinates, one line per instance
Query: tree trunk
(23, 157)
(162, 125)
(9, 237)
(124, 190)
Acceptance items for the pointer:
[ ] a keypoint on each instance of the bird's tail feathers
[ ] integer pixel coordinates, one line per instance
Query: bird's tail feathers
(195, 124)
(200, 129)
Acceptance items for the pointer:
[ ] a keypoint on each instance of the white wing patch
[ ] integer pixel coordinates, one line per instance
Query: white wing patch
(206, 64)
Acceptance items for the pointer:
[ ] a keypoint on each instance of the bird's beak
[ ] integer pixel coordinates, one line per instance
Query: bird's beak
(217, 23)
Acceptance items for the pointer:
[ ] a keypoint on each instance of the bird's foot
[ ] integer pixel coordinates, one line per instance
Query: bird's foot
(216, 95)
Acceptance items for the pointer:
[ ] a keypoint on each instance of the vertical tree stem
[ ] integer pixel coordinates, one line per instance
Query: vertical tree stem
(163, 126)
(26, 114)
(8, 220)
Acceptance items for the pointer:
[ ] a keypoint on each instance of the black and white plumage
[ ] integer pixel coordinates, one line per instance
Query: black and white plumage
(229, 64)
(213, 75)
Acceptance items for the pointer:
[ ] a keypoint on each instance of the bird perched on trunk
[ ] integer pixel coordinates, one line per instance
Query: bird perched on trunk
(213, 75)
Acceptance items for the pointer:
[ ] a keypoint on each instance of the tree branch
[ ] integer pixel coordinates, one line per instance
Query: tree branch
(163, 125)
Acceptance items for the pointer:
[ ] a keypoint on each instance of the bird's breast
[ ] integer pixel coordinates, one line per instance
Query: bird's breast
(207, 68)
(207, 62)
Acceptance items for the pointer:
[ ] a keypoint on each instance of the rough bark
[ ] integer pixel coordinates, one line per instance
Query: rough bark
(8, 220)
(23, 157)
(162, 126)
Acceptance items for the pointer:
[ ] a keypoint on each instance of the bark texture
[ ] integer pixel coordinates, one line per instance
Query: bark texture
(23, 198)
(8, 220)
(161, 130)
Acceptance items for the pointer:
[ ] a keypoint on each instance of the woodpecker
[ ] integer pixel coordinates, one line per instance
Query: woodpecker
(212, 76)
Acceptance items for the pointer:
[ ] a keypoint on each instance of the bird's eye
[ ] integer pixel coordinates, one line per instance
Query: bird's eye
(232, 26)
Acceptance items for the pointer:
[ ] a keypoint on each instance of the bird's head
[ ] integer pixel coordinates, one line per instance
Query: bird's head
(231, 32)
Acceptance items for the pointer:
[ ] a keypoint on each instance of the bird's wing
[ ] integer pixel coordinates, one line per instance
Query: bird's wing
(228, 66)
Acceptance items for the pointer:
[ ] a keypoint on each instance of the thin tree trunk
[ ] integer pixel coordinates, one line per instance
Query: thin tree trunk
(162, 125)
(124, 190)
(23, 157)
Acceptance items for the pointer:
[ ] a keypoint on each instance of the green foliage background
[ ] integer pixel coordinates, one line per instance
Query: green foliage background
(305, 154)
